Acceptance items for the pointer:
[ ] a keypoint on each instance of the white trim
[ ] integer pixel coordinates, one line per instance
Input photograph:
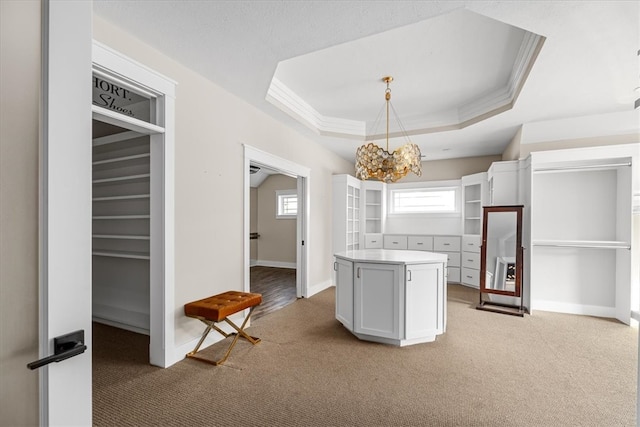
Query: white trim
(319, 287)
(277, 264)
(133, 74)
(570, 308)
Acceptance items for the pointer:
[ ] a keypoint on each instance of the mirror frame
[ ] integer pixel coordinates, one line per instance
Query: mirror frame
(487, 210)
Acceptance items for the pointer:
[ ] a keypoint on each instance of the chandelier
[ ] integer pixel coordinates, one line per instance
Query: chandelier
(374, 162)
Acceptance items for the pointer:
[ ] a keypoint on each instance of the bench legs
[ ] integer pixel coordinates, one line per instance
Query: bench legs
(212, 325)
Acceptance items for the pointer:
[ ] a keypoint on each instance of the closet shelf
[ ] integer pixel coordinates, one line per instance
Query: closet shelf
(473, 201)
(122, 217)
(595, 244)
(120, 236)
(121, 254)
(121, 159)
(121, 178)
(474, 218)
(130, 197)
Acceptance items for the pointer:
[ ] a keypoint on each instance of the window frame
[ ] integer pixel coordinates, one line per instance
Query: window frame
(455, 186)
(280, 197)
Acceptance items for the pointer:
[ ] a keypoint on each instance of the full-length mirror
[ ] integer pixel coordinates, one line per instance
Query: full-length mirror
(501, 258)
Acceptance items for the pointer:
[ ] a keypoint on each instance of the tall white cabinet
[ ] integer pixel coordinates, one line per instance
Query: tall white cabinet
(581, 231)
(346, 213)
(474, 197)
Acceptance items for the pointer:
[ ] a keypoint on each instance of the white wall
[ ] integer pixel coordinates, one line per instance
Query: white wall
(19, 144)
(211, 126)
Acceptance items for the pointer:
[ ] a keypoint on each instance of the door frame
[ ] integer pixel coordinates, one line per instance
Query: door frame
(129, 73)
(286, 167)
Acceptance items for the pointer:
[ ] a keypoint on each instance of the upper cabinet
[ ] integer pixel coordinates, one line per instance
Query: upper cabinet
(503, 183)
(474, 196)
(346, 213)
(374, 197)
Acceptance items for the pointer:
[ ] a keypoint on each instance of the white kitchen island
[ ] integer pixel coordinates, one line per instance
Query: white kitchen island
(392, 296)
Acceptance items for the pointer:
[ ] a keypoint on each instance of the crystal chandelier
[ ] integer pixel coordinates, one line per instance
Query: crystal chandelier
(374, 162)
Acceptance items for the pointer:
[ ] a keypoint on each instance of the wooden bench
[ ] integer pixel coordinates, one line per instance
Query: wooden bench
(218, 308)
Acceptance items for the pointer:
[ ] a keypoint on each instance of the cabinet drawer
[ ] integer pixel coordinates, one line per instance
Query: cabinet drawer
(453, 274)
(373, 241)
(453, 259)
(446, 243)
(471, 243)
(395, 242)
(471, 277)
(420, 243)
(471, 260)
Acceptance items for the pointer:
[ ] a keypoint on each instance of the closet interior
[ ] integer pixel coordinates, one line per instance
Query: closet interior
(581, 236)
(121, 228)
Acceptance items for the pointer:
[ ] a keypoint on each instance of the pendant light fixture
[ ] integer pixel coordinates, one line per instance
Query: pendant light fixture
(374, 162)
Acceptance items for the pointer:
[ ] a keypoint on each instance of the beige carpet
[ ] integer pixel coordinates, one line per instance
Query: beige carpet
(488, 369)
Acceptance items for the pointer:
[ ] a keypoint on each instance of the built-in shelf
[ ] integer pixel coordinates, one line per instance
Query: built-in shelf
(120, 236)
(474, 201)
(112, 198)
(474, 218)
(116, 217)
(595, 244)
(121, 178)
(121, 254)
(121, 159)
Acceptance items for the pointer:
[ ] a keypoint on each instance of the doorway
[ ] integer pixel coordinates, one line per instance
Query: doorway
(273, 226)
(297, 176)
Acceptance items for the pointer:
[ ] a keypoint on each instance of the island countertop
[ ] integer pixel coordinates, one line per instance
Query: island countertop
(392, 256)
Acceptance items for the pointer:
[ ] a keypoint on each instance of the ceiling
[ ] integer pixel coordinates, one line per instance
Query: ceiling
(467, 75)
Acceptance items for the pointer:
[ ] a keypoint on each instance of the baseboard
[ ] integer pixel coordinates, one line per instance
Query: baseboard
(253, 262)
(278, 264)
(318, 287)
(569, 308)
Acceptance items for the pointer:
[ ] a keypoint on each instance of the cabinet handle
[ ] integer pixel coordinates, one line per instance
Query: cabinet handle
(358, 273)
(469, 277)
(419, 243)
(470, 260)
(335, 266)
(469, 244)
(409, 279)
(447, 244)
(395, 243)
(374, 241)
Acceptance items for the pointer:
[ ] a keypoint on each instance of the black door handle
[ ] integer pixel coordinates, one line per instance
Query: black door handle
(64, 347)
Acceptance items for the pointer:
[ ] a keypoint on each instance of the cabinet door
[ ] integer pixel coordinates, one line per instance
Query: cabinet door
(424, 300)
(378, 299)
(344, 292)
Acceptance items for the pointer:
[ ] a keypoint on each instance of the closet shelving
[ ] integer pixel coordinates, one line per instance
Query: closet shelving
(581, 233)
(121, 231)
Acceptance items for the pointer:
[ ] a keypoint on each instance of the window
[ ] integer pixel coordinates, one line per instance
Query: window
(286, 203)
(424, 200)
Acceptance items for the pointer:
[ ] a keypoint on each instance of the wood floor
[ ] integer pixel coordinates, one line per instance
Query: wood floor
(277, 286)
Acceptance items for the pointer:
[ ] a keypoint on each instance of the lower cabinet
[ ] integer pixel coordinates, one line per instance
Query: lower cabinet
(344, 292)
(399, 304)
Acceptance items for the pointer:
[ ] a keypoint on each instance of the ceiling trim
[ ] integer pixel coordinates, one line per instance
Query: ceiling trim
(493, 103)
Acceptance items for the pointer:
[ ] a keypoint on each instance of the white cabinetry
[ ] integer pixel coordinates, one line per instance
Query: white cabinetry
(378, 300)
(450, 246)
(374, 196)
(394, 241)
(396, 297)
(344, 293)
(346, 213)
(475, 189)
(471, 261)
(503, 179)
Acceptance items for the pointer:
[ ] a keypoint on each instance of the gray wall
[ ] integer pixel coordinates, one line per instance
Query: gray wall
(19, 144)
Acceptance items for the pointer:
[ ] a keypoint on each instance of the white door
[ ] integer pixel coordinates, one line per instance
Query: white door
(424, 285)
(65, 209)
